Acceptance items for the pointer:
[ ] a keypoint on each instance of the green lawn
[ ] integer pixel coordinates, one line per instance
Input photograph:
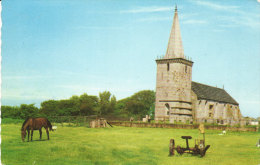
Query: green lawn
(119, 145)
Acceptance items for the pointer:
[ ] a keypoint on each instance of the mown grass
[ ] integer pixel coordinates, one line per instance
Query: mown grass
(120, 145)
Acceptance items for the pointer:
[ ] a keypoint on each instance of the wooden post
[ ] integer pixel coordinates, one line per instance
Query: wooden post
(204, 139)
(171, 147)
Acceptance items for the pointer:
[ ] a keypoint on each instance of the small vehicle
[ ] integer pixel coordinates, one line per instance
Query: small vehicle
(199, 148)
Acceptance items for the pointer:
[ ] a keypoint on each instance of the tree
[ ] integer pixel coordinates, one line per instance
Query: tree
(88, 104)
(74, 102)
(69, 107)
(10, 112)
(106, 103)
(141, 103)
(112, 105)
(28, 110)
(50, 108)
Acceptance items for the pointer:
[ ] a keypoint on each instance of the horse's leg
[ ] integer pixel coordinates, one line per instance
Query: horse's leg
(47, 131)
(40, 130)
(28, 131)
(31, 135)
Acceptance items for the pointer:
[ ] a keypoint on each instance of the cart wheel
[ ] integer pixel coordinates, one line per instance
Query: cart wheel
(203, 151)
(180, 150)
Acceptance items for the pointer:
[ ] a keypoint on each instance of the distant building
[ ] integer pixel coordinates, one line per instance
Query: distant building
(253, 122)
(179, 99)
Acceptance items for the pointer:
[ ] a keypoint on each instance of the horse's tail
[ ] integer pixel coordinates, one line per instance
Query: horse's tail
(49, 125)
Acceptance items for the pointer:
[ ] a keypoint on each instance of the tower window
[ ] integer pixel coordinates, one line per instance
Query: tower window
(168, 66)
(210, 114)
(186, 69)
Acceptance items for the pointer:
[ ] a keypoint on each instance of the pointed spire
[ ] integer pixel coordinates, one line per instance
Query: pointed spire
(175, 49)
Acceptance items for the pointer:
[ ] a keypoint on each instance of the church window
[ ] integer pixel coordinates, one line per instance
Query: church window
(186, 69)
(167, 108)
(210, 107)
(168, 66)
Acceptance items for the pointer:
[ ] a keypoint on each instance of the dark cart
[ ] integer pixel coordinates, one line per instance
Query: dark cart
(199, 148)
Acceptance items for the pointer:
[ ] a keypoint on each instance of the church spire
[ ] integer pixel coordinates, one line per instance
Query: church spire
(175, 49)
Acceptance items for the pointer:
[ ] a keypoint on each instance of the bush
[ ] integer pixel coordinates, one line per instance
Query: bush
(10, 120)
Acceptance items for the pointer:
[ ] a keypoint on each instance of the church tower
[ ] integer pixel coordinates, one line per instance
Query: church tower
(173, 81)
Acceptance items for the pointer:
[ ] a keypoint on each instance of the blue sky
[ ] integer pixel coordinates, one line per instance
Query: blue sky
(53, 49)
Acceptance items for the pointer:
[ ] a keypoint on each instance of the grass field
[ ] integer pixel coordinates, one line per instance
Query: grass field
(120, 145)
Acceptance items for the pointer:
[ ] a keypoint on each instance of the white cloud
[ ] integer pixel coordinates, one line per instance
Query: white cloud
(24, 77)
(98, 27)
(231, 21)
(218, 30)
(193, 21)
(91, 89)
(239, 17)
(154, 19)
(18, 94)
(24, 97)
(148, 9)
(216, 6)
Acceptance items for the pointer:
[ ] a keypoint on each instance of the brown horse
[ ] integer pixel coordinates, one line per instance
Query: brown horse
(31, 124)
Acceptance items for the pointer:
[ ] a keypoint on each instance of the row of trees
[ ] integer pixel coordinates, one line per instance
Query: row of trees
(138, 105)
(82, 105)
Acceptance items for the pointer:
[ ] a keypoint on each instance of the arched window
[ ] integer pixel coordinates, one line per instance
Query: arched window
(167, 106)
(168, 66)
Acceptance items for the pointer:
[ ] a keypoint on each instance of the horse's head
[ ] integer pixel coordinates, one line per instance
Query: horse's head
(23, 134)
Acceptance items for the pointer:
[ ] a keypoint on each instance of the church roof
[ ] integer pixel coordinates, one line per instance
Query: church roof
(175, 49)
(205, 92)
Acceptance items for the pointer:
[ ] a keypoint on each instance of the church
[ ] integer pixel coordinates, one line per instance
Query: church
(179, 99)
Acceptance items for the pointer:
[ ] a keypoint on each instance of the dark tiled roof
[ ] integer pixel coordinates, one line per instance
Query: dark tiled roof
(205, 92)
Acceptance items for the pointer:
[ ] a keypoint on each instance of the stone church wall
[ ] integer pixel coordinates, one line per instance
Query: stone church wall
(173, 89)
(215, 112)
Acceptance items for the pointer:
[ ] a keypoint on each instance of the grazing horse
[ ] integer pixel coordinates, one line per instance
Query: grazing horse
(31, 124)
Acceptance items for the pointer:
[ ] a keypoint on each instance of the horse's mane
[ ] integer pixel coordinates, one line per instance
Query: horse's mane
(24, 123)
